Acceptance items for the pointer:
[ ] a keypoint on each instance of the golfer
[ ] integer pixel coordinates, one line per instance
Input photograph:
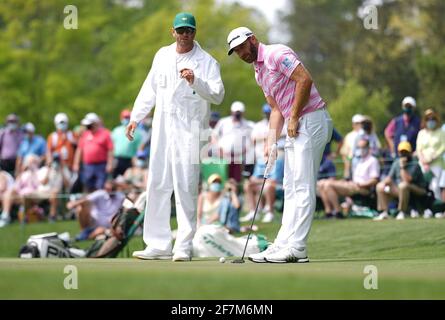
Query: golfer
(294, 100)
(182, 82)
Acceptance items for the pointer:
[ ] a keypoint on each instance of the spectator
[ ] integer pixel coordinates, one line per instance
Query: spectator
(25, 184)
(6, 182)
(124, 149)
(404, 127)
(219, 204)
(404, 179)
(337, 137)
(95, 151)
(32, 144)
(253, 184)
(367, 133)
(61, 142)
(10, 138)
(431, 150)
(327, 169)
(214, 118)
(364, 177)
(53, 179)
(346, 150)
(96, 210)
(135, 177)
(233, 137)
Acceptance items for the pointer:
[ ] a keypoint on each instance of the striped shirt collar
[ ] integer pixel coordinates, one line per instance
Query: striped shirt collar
(260, 57)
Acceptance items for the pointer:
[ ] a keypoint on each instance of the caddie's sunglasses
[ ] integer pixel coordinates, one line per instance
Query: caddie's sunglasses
(187, 30)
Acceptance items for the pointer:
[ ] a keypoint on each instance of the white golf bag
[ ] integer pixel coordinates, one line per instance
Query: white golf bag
(216, 241)
(50, 245)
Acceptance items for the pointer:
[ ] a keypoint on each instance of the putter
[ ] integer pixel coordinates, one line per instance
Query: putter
(241, 260)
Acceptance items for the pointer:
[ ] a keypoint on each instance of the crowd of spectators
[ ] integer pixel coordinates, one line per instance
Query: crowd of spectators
(89, 170)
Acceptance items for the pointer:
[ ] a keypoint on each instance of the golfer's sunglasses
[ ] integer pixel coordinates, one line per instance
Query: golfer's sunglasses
(186, 30)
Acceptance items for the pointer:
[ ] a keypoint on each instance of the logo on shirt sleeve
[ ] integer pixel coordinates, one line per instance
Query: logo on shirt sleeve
(287, 63)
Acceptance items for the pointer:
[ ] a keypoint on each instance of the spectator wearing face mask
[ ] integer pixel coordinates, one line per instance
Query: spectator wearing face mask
(135, 177)
(232, 134)
(404, 127)
(431, 150)
(95, 152)
(61, 142)
(10, 138)
(25, 184)
(32, 144)
(124, 149)
(364, 177)
(219, 204)
(404, 180)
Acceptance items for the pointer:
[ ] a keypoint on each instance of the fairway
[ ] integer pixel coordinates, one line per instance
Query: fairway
(409, 257)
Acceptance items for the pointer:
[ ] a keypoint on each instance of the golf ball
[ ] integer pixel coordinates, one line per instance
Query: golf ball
(222, 259)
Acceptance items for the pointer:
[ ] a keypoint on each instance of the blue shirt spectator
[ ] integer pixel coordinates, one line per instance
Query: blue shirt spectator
(31, 144)
(337, 137)
(327, 169)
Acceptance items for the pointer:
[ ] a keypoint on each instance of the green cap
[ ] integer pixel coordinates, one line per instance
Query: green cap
(184, 19)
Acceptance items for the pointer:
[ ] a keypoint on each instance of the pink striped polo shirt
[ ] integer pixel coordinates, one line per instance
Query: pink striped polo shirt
(273, 68)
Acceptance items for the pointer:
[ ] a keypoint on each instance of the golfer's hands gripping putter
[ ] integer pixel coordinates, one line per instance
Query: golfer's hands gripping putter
(271, 160)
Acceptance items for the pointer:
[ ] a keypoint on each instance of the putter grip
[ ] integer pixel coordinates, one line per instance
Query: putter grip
(270, 160)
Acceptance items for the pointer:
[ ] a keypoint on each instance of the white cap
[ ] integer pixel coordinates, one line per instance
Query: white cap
(237, 36)
(29, 127)
(409, 100)
(237, 106)
(358, 118)
(60, 117)
(90, 118)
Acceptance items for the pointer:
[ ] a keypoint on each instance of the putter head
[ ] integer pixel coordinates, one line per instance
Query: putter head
(238, 261)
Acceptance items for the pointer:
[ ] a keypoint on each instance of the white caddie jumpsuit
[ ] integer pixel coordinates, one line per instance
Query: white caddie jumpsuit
(181, 116)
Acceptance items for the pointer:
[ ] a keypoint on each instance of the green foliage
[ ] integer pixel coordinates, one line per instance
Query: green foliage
(101, 66)
(353, 98)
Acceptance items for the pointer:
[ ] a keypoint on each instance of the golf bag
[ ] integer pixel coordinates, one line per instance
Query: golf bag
(50, 245)
(216, 241)
(124, 225)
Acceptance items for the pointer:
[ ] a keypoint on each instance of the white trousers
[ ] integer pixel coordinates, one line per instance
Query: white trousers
(302, 161)
(171, 170)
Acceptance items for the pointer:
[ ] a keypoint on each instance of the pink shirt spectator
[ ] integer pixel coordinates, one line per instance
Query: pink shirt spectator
(391, 127)
(366, 169)
(27, 182)
(95, 146)
(273, 68)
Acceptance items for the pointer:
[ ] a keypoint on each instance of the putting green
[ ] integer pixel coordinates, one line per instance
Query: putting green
(409, 257)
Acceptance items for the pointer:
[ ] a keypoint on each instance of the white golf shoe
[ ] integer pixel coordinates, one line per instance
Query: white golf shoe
(382, 216)
(288, 255)
(259, 257)
(268, 217)
(152, 254)
(247, 217)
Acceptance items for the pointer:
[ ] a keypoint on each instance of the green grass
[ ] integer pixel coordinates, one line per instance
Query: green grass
(409, 256)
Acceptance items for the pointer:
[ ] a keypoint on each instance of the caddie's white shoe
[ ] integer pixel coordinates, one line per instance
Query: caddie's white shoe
(288, 255)
(414, 214)
(259, 257)
(152, 254)
(181, 256)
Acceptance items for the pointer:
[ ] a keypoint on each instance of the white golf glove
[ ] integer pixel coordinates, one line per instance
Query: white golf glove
(271, 160)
